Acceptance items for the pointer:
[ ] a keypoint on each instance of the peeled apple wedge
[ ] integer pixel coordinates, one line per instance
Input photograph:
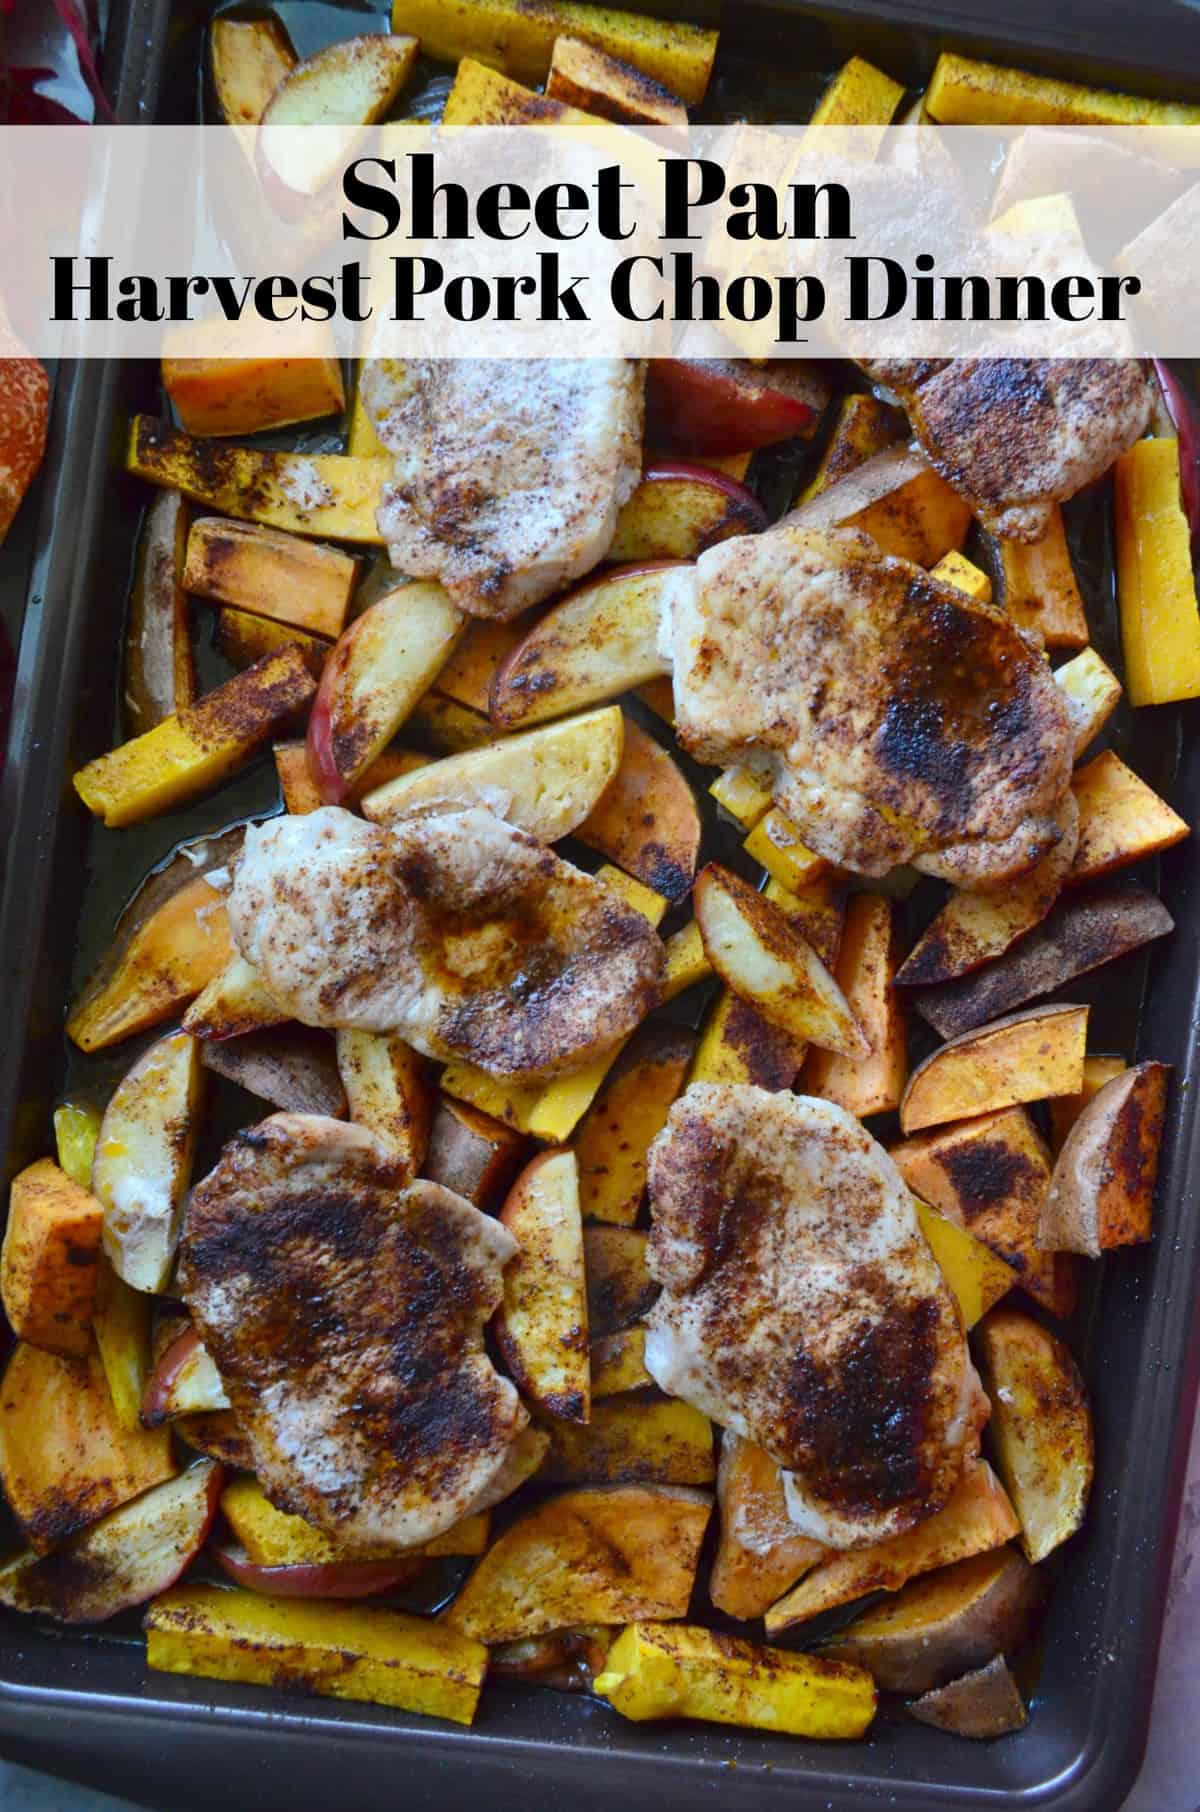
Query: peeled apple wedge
(378, 671)
(682, 508)
(757, 952)
(596, 1556)
(143, 1161)
(347, 85)
(597, 642)
(343, 1651)
(130, 1555)
(545, 782)
(1041, 1427)
(541, 1326)
(676, 1670)
(250, 57)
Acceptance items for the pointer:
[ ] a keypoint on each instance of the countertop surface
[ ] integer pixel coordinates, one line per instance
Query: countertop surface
(1170, 1776)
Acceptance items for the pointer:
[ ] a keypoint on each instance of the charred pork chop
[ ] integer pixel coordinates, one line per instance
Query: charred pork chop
(802, 1308)
(898, 719)
(1015, 436)
(345, 1314)
(508, 474)
(453, 929)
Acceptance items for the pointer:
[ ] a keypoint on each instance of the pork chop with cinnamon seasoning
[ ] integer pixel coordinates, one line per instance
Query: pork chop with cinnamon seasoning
(345, 1314)
(802, 1308)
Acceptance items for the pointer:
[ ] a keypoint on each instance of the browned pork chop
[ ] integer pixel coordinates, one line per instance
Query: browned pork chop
(345, 1314)
(1016, 436)
(898, 719)
(508, 473)
(452, 929)
(802, 1308)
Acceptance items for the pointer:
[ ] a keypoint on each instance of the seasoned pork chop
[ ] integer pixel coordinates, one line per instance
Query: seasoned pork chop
(508, 474)
(345, 1314)
(455, 930)
(802, 1308)
(899, 719)
(1015, 436)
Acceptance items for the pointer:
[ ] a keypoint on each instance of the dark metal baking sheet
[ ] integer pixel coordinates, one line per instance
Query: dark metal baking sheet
(84, 1705)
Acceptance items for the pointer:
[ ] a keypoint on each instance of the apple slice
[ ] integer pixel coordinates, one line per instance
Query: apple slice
(143, 1161)
(730, 405)
(130, 1555)
(341, 89)
(250, 57)
(597, 642)
(545, 782)
(542, 1324)
(380, 668)
(1182, 412)
(184, 1382)
(679, 509)
(317, 1579)
(759, 954)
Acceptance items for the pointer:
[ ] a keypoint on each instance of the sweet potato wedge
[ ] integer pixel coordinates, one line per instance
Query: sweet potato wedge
(620, 1289)
(977, 1517)
(631, 1441)
(1092, 691)
(294, 1068)
(1025, 1057)
(757, 952)
(471, 1153)
(300, 793)
(897, 498)
(270, 574)
(1102, 1192)
(618, 1363)
(333, 496)
(646, 819)
(760, 1551)
(223, 395)
(865, 973)
(983, 1704)
(598, 1556)
(991, 1175)
(169, 943)
(553, 776)
(381, 667)
(1085, 929)
(1041, 1427)
(250, 57)
(1066, 1109)
(126, 1558)
(244, 638)
(521, 42)
(470, 672)
(234, 1002)
(186, 754)
(1035, 584)
(143, 1161)
(674, 1670)
(595, 643)
(630, 1111)
(158, 676)
(974, 928)
(541, 1326)
(339, 1650)
(1121, 819)
(273, 1538)
(978, 1276)
(49, 1260)
(945, 1622)
(388, 1091)
(64, 1458)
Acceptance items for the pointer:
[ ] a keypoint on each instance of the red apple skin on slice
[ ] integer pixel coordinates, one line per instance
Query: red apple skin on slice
(679, 509)
(718, 406)
(597, 642)
(130, 1555)
(383, 664)
(317, 1579)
